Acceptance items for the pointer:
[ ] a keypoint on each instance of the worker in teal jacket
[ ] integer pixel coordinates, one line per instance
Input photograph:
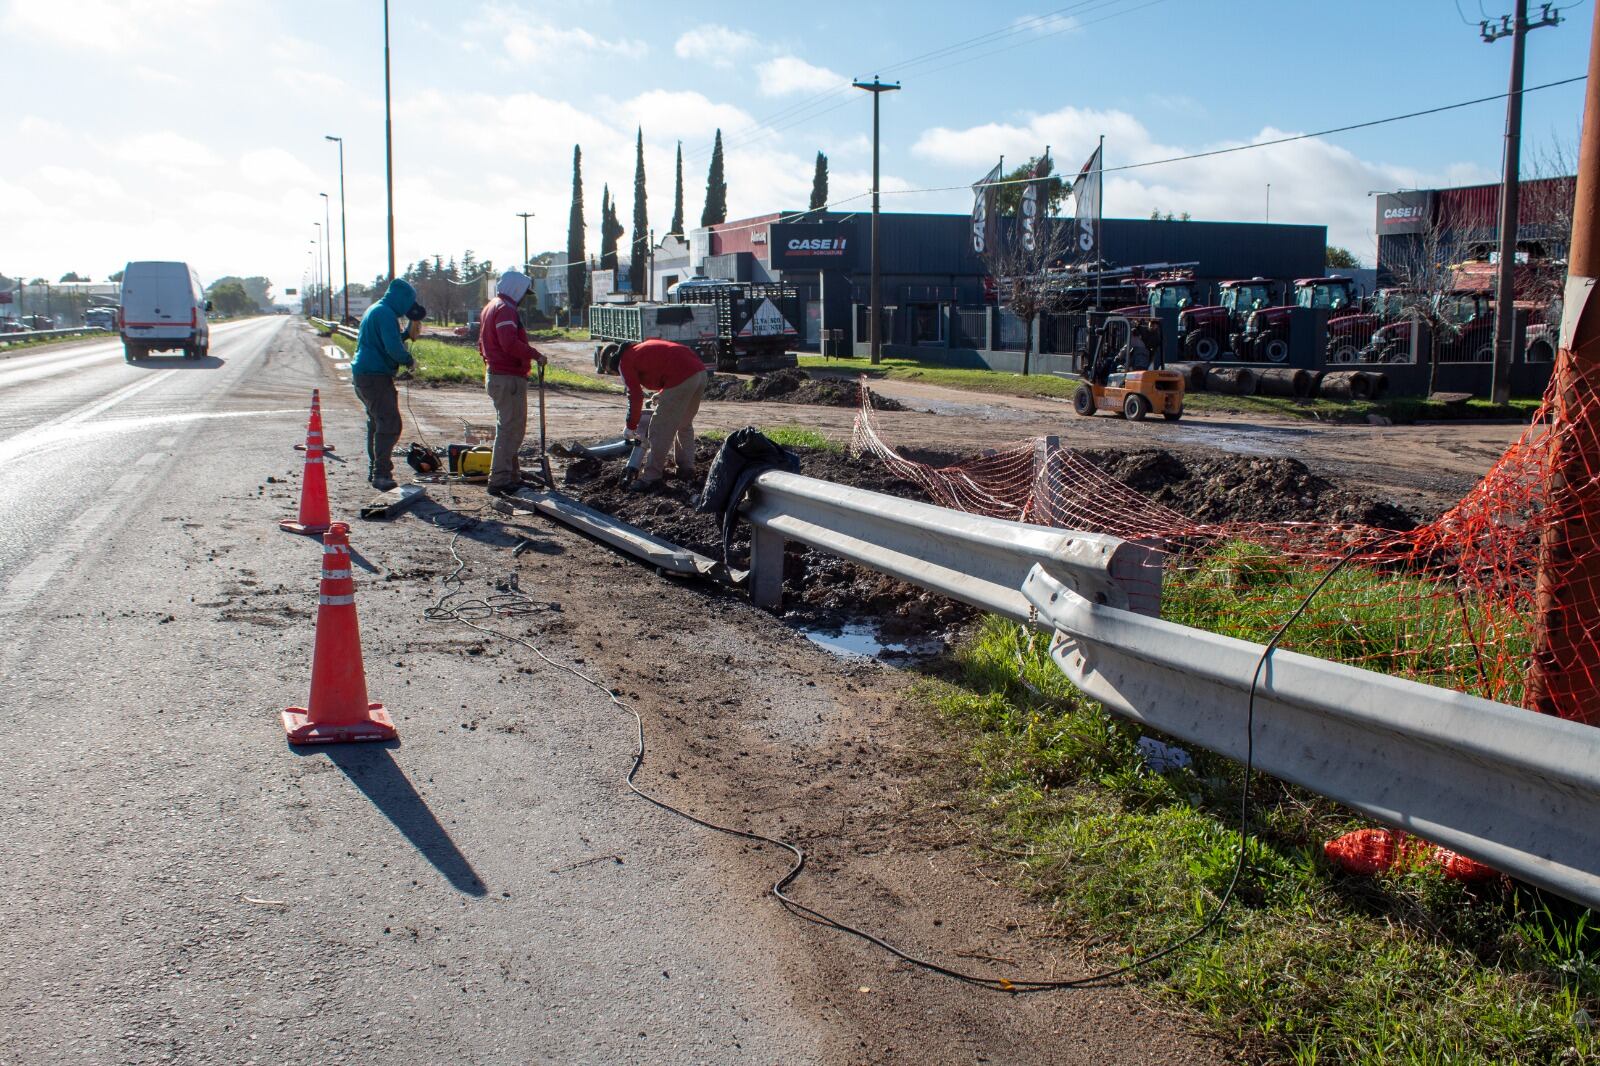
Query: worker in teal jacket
(380, 354)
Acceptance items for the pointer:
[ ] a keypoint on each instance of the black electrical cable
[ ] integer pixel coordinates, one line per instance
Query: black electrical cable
(451, 608)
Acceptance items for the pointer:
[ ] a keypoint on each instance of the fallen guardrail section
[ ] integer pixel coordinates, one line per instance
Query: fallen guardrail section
(1508, 787)
(327, 326)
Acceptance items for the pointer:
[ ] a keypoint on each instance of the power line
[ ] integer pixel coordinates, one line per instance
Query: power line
(1262, 144)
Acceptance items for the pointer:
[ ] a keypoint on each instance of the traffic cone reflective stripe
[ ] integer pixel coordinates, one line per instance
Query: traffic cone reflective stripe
(314, 518)
(338, 710)
(314, 425)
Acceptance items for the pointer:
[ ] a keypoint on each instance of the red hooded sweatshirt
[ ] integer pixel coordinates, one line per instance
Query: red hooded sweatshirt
(655, 365)
(501, 340)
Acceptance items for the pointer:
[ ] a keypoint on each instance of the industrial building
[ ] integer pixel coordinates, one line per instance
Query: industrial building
(1447, 224)
(931, 274)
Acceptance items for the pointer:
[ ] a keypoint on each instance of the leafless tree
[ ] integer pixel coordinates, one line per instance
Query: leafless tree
(1022, 275)
(1426, 274)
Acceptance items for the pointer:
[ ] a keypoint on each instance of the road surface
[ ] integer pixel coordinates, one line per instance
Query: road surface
(180, 886)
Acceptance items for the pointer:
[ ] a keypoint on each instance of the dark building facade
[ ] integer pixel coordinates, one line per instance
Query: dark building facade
(1454, 221)
(929, 268)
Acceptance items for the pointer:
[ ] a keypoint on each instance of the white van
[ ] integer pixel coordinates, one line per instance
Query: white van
(163, 309)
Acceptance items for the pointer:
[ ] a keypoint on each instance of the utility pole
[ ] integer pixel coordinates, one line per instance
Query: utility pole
(1505, 313)
(327, 229)
(524, 215)
(1565, 620)
(316, 265)
(650, 285)
(1269, 202)
(388, 136)
(877, 88)
(344, 234)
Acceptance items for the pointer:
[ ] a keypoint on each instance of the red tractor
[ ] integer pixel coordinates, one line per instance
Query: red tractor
(1349, 335)
(1206, 331)
(1265, 337)
(1466, 332)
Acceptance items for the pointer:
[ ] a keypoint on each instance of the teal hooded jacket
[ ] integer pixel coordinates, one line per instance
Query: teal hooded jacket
(378, 346)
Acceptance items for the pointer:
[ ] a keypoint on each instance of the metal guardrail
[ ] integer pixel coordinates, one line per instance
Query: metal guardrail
(46, 334)
(1511, 788)
(333, 327)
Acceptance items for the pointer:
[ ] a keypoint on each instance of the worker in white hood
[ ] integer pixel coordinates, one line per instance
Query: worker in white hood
(507, 358)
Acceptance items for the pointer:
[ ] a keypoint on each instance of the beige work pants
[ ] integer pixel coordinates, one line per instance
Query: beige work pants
(510, 395)
(672, 429)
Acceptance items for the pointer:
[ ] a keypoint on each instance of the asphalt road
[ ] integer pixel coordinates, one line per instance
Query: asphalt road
(180, 886)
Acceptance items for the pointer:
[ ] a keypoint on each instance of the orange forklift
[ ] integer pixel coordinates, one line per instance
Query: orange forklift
(1126, 374)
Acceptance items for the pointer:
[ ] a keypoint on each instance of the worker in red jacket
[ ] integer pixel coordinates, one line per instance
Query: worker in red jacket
(676, 374)
(507, 358)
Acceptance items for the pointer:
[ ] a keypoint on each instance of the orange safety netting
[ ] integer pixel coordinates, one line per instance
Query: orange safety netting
(1506, 580)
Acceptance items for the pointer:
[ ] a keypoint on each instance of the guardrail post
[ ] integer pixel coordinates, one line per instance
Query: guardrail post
(766, 568)
(1044, 501)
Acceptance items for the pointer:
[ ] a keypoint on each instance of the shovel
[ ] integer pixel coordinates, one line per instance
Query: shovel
(544, 458)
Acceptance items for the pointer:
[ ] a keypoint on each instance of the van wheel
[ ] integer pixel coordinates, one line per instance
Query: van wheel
(129, 353)
(1083, 401)
(1135, 407)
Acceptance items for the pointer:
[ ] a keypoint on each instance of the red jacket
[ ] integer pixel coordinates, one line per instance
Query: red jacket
(656, 365)
(501, 340)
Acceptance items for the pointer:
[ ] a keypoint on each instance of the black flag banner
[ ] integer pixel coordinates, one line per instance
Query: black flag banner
(1086, 194)
(983, 234)
(1035, 195)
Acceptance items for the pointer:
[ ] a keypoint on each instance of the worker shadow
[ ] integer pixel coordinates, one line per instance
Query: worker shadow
(489, 531)
(362, 561)
(372, 769)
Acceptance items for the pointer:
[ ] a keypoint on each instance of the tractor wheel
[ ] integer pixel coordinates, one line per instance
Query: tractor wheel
(1135, 407)
(1273, 350)
(1172, 416)
(1083, 401)
(1344, 352)
(1202, 346)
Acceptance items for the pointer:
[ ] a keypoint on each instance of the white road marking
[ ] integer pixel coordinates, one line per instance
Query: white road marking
(149, 459)
(167, 441)
(126, 483)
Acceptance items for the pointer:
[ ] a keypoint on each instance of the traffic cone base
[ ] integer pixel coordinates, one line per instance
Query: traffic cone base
(301, 730)
(325, 447)
(289, 525)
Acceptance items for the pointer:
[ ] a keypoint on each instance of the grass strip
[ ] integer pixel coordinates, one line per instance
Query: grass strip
(790, 436)
(1309, 965)
(438, 363)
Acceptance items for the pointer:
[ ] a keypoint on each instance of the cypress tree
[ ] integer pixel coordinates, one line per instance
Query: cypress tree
(716, 209)
(640, 256)
(677, 197)
(610, 230)
(575, 271)
(819, 184)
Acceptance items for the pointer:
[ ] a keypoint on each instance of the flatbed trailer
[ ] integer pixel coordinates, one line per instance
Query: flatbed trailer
(737, 328)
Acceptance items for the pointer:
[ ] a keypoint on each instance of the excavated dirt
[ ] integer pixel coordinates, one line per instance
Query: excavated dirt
(826, 593)
(1233, 488)
(793, 386)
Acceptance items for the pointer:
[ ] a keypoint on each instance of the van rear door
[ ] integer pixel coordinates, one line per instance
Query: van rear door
(157, 302)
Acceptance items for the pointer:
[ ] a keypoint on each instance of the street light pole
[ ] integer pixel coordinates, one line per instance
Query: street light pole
(877, 88)
(316, 261)
(344, 234)
(388, 136)
(327, 228)
(524, 215)
(1505, 312)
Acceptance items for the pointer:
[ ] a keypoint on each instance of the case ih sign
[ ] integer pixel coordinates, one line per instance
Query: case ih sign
(812, 247)
(1404, 212)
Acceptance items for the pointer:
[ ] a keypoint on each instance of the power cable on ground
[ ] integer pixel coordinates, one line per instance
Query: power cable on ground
(455, 606)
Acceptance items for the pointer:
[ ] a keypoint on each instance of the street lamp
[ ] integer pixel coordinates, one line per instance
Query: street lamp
(328, 246)
(877, 88)
(524, 215)
(316, 255)
(388, 136)
(344, 234)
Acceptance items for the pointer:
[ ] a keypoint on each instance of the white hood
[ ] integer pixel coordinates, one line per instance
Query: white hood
(514, 285)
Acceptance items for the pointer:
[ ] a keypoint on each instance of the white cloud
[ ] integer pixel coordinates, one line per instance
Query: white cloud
(165, 149)
(714, 44)
(1313, 181)
(33, 128)
(680, 114)
(1046, 25)
(156, 76)
(791, 74)
(99, 25)
(275, 167)
(543, 43)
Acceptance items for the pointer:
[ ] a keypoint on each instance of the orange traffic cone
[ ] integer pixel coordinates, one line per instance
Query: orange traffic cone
(338, 710)
(315, 424)
(314, 517)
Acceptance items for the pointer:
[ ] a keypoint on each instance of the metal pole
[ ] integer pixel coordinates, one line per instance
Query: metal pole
(388, 136)
(1567, 591)
(1269, 203)
(524, 215)
(344, 233)
(1505, 290)
(877, 88)
(1099, 219)
(651, 284)
(327, 228)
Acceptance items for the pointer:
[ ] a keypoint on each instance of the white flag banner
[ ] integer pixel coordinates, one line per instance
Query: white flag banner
(983, 234)
(1086, 194)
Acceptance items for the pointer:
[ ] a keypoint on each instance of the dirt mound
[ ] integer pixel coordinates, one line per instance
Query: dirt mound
(1239, 488)
(793, 386)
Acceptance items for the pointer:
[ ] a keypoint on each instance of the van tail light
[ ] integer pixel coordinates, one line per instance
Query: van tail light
(194, 317)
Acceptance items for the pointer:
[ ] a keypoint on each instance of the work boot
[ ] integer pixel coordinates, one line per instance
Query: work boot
(382, 482)
(510, 488)
(645, 487)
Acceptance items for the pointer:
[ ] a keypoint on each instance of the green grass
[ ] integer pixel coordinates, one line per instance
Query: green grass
(789, 436)
(1308, 966)
(439, 363)
(1401, 411)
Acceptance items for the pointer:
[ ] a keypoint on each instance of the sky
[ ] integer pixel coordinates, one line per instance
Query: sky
(193, 129)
